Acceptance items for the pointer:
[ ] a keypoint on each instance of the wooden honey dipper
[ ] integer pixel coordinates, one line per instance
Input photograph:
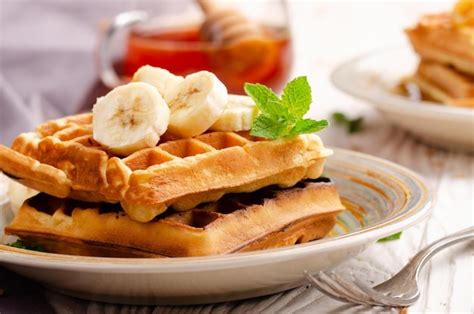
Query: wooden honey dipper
(227, 25)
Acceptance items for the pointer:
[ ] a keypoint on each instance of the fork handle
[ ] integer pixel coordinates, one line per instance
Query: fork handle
(420, 259)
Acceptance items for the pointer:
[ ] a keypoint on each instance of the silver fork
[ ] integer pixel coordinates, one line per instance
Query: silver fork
(399, 291)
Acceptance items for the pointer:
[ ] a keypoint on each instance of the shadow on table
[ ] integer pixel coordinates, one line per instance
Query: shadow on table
(21, 295)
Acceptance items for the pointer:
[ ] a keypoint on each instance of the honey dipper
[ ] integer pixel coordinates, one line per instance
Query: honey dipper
(227, 25)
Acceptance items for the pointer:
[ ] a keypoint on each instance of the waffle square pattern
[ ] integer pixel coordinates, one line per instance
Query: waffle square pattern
(61, 159)
(239, 222)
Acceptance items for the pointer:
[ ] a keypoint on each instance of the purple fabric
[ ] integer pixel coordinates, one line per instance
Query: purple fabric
(21, 295)
(47, 69)
(48, 64)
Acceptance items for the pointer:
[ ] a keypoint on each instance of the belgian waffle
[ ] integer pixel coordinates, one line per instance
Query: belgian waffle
(62, 159)
(268, 218)
(436, 38)
(444, 84)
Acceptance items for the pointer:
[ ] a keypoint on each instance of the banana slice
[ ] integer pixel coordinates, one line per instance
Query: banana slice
(163, 80)
(239, 115)
(129, 118)
(196, 103)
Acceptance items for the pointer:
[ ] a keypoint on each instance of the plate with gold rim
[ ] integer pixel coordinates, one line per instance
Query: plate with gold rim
(382, 198)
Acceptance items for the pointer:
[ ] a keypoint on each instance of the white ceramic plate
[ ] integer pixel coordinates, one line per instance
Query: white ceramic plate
(373, 76)
(392, 197)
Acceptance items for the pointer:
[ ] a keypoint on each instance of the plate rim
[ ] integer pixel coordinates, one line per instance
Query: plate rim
(414, 215)
(389, 101)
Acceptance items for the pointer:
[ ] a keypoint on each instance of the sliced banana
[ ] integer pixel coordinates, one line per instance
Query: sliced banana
(239, 115)
(163, 80)
(129, 118)
(196, 104)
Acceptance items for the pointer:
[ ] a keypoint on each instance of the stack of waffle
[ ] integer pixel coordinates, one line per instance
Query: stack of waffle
(215, 193)
(445, 44)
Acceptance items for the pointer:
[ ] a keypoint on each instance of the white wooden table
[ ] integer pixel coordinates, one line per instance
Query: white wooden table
(326, 34)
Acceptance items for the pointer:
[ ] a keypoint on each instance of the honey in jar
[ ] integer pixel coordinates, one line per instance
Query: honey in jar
(182, 51)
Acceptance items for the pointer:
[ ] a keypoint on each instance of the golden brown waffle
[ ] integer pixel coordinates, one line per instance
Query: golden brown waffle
(436, 38)
(62, 159)
(268, 218)
(444, 84)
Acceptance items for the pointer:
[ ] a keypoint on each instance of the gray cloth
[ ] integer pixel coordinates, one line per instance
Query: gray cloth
(19, 295)
(33, 88)
(48, 69)
(48, 57)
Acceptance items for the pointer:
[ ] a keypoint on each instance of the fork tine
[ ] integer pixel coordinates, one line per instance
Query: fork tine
(326, 284)
(390, 301)
(346, 289)
(386, 299)
(356, 292)
(324, 288)
(354, 289)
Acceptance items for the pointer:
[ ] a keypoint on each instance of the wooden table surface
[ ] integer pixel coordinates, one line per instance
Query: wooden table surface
(447, 282)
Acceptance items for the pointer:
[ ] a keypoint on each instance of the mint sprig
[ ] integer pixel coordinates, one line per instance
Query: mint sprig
(392, 237)
(22, 245)
(283, 117)
(352, 125)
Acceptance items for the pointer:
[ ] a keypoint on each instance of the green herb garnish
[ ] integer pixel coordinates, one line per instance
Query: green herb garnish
(22, 245)
(352, 125)
(392, 237)
(283, 117)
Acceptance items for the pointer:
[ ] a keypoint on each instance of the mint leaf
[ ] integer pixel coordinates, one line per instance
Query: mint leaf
(265, 99)
(308, 126)
(265, 126)
(283, 117)
(297, 96)
(392, 237)
(339, 117)
(22, 245)
(355, 125)
(352, 125)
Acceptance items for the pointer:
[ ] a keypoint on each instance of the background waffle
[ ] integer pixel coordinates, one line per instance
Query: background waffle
(62, 159)
(435, 38)
(444, 84)
(268, 218)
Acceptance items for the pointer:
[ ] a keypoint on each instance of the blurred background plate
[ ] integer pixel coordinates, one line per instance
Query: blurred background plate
(382, 197)
(373, 78)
